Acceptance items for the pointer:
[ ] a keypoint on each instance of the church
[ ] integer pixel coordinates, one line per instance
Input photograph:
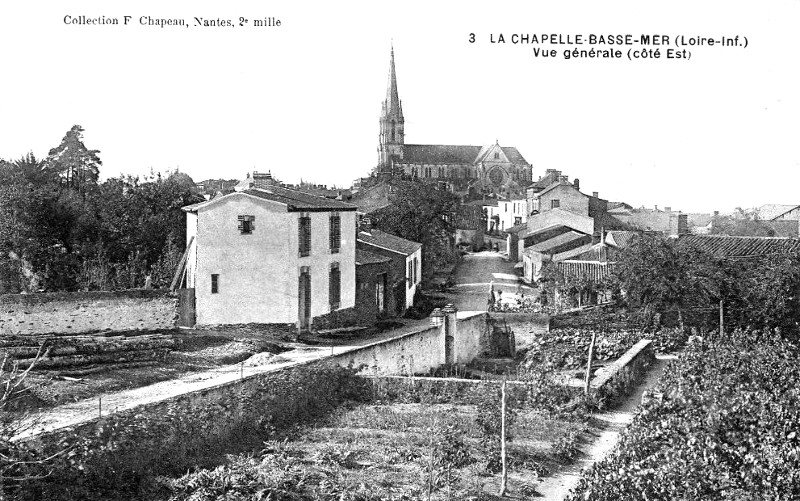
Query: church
(492, 169)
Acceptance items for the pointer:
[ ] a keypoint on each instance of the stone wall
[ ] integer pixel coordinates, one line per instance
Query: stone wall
(86, 312)
(472, 336)
(617, 379)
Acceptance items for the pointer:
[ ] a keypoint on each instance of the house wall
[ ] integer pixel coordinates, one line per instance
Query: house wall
(259, 273)
(569, 198)
(508, 210)
(366, 282)
(85, 312)
(411, 286)
(397, 276)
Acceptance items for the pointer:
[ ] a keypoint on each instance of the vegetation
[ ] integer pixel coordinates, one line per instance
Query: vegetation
(724, 429)
(423, 214)
(62, 229)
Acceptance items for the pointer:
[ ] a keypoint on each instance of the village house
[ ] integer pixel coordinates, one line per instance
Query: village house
(374, 295)
(406, 270)
(270, 255)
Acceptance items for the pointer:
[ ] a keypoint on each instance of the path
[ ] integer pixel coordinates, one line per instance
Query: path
(84, 410)
(557, 487)
(473, 275)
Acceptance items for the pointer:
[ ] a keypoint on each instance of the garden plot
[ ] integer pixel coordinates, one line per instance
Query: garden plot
(407, 442)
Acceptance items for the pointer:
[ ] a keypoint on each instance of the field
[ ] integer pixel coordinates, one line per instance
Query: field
(399, 449)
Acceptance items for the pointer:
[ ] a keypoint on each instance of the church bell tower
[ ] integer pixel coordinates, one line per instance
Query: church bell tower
(391, 138)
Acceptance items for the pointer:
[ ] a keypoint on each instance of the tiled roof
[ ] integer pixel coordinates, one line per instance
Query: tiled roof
(388, 241)
(365, 257)
(298, 201)
(451, 154)
(294, 201)
(771, 211)
(371, 199)
(491, 202)
(548, 246)
(725, 246)
(517, 228)
(621, 238)
(591, 269)
(556, 185)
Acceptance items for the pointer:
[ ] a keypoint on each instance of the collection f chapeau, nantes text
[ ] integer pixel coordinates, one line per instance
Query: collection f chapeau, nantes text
(612, 46)
(157, 22)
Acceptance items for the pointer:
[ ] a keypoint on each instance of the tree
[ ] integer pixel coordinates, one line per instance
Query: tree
(75, 164)
(659, 276)
(423, 214)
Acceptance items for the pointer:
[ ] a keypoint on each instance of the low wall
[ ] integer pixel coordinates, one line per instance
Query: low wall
(86, 312)
(472, 336)
(417, 352)
(619, 377)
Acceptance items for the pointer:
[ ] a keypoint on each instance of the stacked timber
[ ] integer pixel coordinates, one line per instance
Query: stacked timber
(60, 352)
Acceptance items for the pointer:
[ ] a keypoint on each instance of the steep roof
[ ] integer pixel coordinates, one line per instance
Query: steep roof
(389, 242)
(556, 185)
(591, 269)
(726, 246)
(452, 154)
(365, 257)
(771, 211)
(621, 238)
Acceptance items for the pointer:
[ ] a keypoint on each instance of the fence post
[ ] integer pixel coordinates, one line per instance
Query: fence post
(504, 477)
(589, 365)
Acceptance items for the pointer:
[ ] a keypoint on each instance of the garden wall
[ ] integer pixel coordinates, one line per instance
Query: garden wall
(618, 378)
(86, 312)
(128, 447)
(472, 336)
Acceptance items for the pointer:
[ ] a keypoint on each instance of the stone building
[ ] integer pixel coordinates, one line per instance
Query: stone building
(460, 168)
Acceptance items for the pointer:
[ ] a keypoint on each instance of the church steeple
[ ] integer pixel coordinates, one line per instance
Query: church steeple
(392, 136)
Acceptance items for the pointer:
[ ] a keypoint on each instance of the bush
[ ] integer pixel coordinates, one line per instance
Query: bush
(725, 429)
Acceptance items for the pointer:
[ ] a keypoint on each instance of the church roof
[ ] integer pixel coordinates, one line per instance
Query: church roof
(452, 154)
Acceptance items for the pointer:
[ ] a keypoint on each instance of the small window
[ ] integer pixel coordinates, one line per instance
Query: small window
(214, 283)
(304, 236)
(247, 224)
(496, 155)
(335, 286)
(555, 203)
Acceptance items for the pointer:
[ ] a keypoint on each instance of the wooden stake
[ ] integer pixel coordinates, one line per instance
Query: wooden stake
(504, 477)
(100, 407)
(721, 320)
(589, 365)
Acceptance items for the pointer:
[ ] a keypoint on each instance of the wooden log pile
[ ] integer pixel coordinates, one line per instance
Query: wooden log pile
(67, 352)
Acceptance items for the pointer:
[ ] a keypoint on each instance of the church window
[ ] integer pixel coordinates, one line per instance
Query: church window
(392, 131)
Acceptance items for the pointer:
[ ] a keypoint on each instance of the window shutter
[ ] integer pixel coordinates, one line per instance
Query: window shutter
(335, 237)
(304, 237)
(334, 286)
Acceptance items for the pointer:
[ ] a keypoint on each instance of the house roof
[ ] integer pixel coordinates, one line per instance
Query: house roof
(517, 228)
(371, 199)
(556, 185)
(294, 201)
(727, 246)
(556, 242)
(452, 154)
(592, 269)
(772, 211)
(621, 238)
(365, 257)
(389, 242)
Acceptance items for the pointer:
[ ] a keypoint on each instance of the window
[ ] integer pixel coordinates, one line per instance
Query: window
(555, 203)
(496, 155)
(334, 286)
(214, 283)
(410, 274)
(247, 224)
(304, 240)
(335, 237)
(416, 266)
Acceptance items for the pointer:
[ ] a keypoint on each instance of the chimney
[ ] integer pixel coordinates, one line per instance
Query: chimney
(596, 194)
(668, 209)
(365, 224)
(716, 213)
(576, 183)
(656, 207)
(563, 178)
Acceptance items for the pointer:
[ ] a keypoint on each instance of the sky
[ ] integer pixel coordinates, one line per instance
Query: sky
(714, 132)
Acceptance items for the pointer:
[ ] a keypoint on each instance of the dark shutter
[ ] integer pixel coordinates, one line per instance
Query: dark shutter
(304, 236)
(335, 286)
(335, 233)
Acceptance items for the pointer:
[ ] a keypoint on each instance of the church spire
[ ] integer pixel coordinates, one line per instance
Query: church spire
(392, 106)
(392, 135)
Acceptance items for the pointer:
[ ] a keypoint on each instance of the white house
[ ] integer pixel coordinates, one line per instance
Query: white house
(512, 212)
(406, 259)
(270, 255)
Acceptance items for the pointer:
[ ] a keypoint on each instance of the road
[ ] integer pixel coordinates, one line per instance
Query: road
(474, 275)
